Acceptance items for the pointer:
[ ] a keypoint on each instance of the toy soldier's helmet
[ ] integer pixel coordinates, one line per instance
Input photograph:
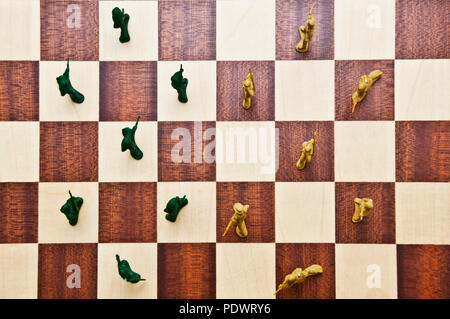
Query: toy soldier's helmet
(239, 208)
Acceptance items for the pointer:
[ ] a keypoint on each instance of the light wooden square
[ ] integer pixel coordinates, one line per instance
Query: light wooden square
(422, 90)
(304, 212)
(304, 90)
(117, 166)
(142, 27)
(364, 151)
(245, 30)
(142, 259)
(201, 91)
(54, 227)
(245, 271)
(364, 29)
(246, 151)
(422, 213)
(20, 33)
(84, 76)
(19, 157)
(18, 271)
(196, 221)
(366, 271)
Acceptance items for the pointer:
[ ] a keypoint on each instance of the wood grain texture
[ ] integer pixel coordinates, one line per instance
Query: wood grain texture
(422, 151)
(68, 152)
(52, 276)
(379, 226)
(230, 75)
(378, 104)
(61, 39)
(291, 256)
(168, 170)
(127, 212)
(127, 90)
(19, 91)
(291, 137)
(260, 220)
(290, 15)
(187, 29)
(187, 271)
(422, 29)
(19, 210)
(423, 272)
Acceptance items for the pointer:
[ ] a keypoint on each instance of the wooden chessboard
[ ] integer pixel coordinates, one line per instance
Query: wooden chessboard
(394, 149)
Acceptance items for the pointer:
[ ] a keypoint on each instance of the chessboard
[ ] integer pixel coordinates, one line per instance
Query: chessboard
(394, 149)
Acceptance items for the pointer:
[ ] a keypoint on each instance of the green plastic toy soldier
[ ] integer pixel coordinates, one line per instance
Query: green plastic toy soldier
(126, 273)
(72, 209)
(65, 87)
(174, 206)
(121, 19)
(128, 142)
(180, 84)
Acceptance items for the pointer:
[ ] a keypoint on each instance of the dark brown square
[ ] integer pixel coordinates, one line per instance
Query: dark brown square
(260, 220)
(127, 90)
(291, 256)
(127, 212)
(290, 15)
(187, 29)
(197, 140)
(422, 151)
(68, 152)
(230, 75)
(422, 29)
(379, 226)
(61, 38)
(423, 272)
(378, 104)
(187, 271)
(19, 209)
(19, 91)
(54, 260)
(291, 137)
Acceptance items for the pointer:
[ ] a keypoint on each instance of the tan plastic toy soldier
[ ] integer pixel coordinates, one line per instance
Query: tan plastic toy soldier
(308, 149)
(306, 32)
(299, 276)
(249, 90)
(363, 207)
(364, 86)
(238, 219)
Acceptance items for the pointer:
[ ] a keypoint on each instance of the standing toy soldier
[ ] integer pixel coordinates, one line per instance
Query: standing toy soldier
(249, 90)
(306, 32)
(298, 276)
(180, 83)
(238, 219)
(364, 85)
(308, 149)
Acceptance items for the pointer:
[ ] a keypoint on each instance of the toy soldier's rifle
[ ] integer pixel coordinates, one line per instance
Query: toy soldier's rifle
(230, 224)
